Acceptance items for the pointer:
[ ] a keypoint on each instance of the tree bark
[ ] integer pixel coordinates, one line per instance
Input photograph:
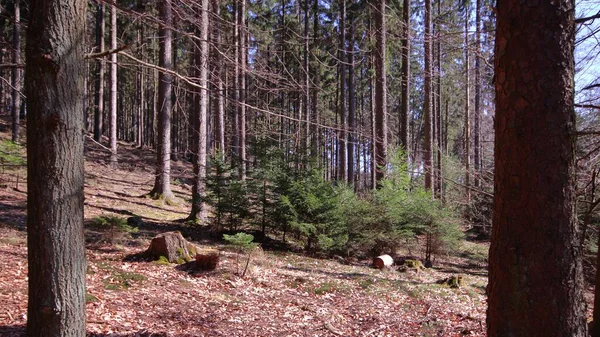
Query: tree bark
(351, 104)
(428, 102)
(405, 81)
(343, 125)
(477, 112)
(198, 213)
(380, 92)
(536, 281)
(113, 86)
(16, 73)
(162, 183)
(54, 79)
(219, 101)
(242, 87)
(467, 114)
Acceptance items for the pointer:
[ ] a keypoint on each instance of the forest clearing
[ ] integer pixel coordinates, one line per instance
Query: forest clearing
(299, 168)
(284, 294)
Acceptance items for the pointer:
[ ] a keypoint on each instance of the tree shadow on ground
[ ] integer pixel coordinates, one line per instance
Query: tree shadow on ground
(12, 331)
(468, 268)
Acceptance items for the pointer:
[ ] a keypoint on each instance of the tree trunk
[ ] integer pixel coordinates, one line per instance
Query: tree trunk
(427, 105)
(467, 114)
(219, 101)
(54, 85)
(198, 213)
(140, 85)
(380, 92)
(242, 87)
(477, 113)
(405, 81)
(162, 184)
(113, 86)
(16, 74)
(343, 125)
(351, 104)
(536, 281)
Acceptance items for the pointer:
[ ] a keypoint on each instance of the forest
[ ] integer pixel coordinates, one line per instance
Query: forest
(299, 167)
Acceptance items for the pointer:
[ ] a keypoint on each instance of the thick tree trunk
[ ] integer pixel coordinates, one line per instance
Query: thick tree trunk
(536, 281)
(198, 213)
(405, 81)
(113, 86)
(16, 73)
(162, 184)
(380, 92)
(428, 102)
(54, 85)
(467, 115)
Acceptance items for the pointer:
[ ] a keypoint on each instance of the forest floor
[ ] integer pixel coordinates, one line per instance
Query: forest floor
(283, 294)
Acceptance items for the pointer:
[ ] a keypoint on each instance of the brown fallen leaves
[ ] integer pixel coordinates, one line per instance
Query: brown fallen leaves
(284, 295)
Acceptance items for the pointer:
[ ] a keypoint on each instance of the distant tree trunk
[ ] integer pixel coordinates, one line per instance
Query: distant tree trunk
(236, 87)
(113, 86)
(54, 76)
(218, 101)
(342, 149)
(307, 87)
(536, 281)
(315, 130)
(198, 213)
(477, 112)
(467, 114)
(438, 103)
(16, 73)
(351, 104)
(140, 84)
(405, 81)
(242, 84)
(99, 100)
(427, 106)
(380, 92)
(162, 184)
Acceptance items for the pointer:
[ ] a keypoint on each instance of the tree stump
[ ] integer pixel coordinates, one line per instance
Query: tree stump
(207, 259)
(173, 247)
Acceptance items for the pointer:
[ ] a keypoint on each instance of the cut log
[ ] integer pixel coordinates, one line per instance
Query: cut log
(173, 247)
(207, 259)
(383, 261)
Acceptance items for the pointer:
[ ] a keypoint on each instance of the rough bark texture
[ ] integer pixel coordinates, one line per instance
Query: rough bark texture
(467, 132)
(162, 184)
(198, 213)
(173, 246)
(536, 277)
(16, 73)
(427, 105)
(54, 87)
(380, 92)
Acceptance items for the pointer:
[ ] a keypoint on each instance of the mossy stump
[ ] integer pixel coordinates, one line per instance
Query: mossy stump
(173, 247)
(414, 265)
(454, 281)
(207, 259)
